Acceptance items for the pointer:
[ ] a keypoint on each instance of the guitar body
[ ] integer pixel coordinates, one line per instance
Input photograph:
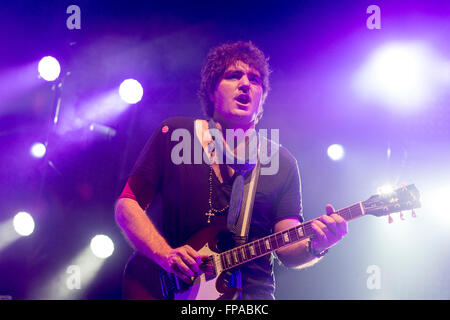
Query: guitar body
(145, 280)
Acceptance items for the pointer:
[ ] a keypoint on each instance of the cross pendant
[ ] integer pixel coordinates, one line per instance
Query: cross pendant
(209, 214)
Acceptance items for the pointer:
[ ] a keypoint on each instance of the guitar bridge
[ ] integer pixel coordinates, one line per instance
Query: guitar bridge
(171, 284)
(168, 284)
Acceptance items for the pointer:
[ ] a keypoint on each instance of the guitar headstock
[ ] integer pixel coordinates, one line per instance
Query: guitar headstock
(403, 198)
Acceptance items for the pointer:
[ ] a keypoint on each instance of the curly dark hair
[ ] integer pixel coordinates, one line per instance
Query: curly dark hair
(220, 58)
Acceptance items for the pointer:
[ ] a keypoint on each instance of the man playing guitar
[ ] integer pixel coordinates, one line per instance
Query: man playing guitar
(235, 84)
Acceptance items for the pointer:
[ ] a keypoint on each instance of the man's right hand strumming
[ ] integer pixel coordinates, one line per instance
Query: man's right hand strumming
(183, 261)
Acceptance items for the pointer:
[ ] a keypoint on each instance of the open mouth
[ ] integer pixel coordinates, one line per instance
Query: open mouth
(243, 98)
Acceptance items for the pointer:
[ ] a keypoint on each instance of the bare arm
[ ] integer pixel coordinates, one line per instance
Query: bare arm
(328, 230)
(295, 255)
(146, 239)
(139, 229)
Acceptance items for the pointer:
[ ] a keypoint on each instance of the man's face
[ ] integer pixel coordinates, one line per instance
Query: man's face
(238, 95)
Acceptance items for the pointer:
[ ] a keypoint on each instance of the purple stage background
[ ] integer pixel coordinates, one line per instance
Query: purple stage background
(327, 87)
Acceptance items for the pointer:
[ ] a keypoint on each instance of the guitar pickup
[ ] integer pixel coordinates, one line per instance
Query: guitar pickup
(208, 268)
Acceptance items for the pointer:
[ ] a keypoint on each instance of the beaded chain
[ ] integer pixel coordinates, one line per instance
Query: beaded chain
(212, 212)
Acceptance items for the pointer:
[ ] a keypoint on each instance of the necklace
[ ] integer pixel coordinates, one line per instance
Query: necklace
(212, 212)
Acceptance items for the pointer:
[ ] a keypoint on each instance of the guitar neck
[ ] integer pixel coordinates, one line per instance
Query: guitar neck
(258, 248)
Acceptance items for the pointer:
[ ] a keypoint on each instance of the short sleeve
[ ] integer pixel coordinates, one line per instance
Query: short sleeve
(289, 200)
(146, 176)
(149, 165)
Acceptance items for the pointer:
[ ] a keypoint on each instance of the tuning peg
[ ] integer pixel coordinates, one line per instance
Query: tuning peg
(413, 213)
(390, 220)
(401, 216)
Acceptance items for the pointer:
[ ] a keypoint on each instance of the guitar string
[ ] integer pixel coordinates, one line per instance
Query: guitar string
(307, 231)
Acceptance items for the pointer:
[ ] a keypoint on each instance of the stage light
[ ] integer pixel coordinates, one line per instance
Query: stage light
(336, 152)
(49, 68)
(102, 246)
(399, 72)
(7, 233)
(436, 203)
(38, 150)
(386, 189)
(399, 75)
(102, 129)
(445, 73)
(131, 91)
(93, 114)
(23, 223)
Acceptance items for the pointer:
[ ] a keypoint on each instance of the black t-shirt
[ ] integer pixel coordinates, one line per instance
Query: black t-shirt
(184, 193)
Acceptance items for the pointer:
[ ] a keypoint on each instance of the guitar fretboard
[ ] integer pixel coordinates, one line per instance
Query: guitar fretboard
(266, 245)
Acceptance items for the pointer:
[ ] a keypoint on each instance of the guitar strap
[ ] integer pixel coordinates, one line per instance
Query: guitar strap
(242, 226)
(243, 190)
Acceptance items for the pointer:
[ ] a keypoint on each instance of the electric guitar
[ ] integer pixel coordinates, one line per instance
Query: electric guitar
(144, 279)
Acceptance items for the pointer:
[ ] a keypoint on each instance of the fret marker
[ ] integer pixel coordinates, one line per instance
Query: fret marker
(286, 237)
(300, 231)
(228, 258)
(252, 250)
(243, 253)
(267, 244)
(235, 256)
(363, 212)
